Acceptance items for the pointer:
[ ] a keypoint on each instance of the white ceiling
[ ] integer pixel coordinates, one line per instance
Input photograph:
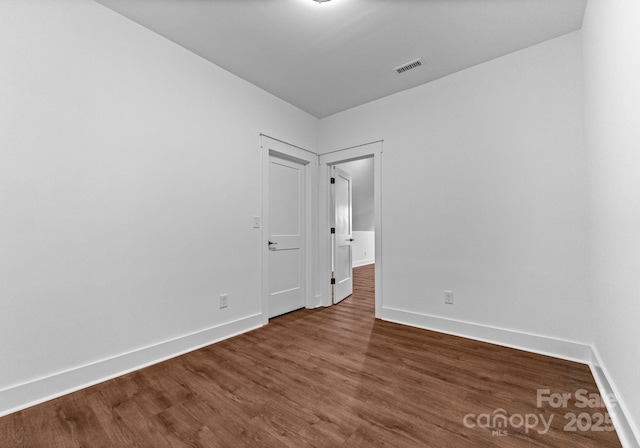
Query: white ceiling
(325, 58)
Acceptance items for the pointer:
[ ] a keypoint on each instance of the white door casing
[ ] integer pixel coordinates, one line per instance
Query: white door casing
(326, 161)
(318, 217)
(343, 236)
(307, 162)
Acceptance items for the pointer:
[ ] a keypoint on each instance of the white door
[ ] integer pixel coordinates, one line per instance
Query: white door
(286, 236)
(342, 238)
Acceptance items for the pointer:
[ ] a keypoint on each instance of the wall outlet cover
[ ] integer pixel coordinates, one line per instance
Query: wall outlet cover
(448, 297)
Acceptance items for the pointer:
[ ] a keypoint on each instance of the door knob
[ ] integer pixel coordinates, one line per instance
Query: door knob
(271, 243)
(350, 239)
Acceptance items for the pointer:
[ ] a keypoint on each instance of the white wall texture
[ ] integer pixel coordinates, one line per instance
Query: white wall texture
(362, 193)
(484, 192)
(130, 171)
(363, 248)
(129, 175)
(611, 37)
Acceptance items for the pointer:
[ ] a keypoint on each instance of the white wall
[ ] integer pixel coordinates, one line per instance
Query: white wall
(364, 244)
(484, 192)
(363, 248)
(129, 175)
(118, 217)
(611, 35)
(362, 193)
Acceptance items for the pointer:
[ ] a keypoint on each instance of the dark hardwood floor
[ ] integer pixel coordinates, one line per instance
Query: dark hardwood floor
(333, 377)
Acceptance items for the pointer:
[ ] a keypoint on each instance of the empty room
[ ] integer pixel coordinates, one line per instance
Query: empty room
(305, 223)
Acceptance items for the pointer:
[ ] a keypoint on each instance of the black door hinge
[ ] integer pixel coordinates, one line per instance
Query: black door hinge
(333, 230)
(333, 180)
(333, 281)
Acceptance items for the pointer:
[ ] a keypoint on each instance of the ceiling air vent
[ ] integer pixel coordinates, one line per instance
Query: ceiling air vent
(409, 65)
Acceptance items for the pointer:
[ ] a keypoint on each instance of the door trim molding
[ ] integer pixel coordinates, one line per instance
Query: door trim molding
(326, 160)
(270, 146)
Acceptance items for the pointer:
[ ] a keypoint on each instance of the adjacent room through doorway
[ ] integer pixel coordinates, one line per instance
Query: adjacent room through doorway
(353, 222)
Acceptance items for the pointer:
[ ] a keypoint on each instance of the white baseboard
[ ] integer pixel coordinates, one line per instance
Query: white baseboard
(358, 263)
(38, 391)
(572, 351)
(628, 432)
(53, 386)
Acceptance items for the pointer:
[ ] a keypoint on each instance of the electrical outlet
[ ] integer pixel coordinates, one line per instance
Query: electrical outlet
(224, 300)
(256, 222)
(448, 297)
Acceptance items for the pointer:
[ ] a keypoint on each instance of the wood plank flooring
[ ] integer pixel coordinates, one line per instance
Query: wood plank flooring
(332, 377)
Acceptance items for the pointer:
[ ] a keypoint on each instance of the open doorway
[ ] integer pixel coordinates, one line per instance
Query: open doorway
(363, 210)
(366, 237)
(353, 222)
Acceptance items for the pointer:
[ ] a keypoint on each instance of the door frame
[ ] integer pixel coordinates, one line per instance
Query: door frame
(270, 146)
(327, 160)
